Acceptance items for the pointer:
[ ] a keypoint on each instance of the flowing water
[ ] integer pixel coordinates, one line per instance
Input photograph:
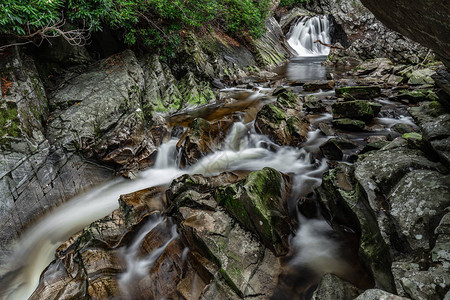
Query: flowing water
(243, 149)
(307, 33)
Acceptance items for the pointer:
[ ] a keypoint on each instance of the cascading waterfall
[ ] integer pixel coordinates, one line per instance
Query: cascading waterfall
(244, 149)
(306, 32)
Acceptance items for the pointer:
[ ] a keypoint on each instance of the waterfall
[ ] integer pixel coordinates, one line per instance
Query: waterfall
(306, 31)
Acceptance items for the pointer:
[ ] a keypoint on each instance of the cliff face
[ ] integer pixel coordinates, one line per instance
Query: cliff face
(425, 22)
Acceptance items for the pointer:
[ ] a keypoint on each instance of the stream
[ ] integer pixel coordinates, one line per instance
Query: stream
(242, 150)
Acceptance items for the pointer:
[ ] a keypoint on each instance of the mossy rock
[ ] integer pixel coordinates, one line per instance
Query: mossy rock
(9, 121)
(358, 109)
(358, 92)
(349, 124)
(259, 204)
(272, 113)
(287, 99)
(417, 96)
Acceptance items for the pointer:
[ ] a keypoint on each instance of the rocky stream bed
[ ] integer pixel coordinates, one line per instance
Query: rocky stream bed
(236, 182)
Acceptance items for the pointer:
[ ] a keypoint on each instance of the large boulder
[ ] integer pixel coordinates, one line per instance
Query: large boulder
(259, 204)
(231, 255)
(100, 113)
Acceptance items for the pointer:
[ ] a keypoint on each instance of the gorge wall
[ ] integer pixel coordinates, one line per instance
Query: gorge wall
(426, 22)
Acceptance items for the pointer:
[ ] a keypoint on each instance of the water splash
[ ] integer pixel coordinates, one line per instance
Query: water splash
(306, 32)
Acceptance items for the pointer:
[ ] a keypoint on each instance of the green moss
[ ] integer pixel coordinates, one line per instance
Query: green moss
(412, 135)
(9, 121)
(358, 92)
(272, 113)
(287, 99)
(230, 282)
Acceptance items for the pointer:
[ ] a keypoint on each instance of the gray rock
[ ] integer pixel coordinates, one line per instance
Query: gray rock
(434, 122)
(415, 202)
(269, 50)
(422, 76)
(358, 109)
(358, 92)
(238, 258)
(23, 109)
(332, 287)
(375, 294)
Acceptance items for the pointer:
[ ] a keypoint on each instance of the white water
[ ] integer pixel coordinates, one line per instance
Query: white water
(244, 149)
(318, 249)
(306, 31)
(136, 266)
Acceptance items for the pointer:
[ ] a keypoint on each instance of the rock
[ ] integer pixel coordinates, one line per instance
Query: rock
(349, 124)
(333, 148)
(422, 76)
(269, 49)
(89, 263)
(231, 255)
(416, 202)
(441, 250)
(202, 138)
(433, 19)
(348, 205)
(90, 116)
(442, 81)
(403, 128)
(422, 285)
(287, 19)
(288, 99)
(259, 204)
(359, 109)
(375, 294)
(358, 92)
(332, 287)
(24, 108)
(375, 146)
(272, 121)
(434, 122)
(279, 90)
(318, 85)
(314, 105)
(417, 96)
(374, 67)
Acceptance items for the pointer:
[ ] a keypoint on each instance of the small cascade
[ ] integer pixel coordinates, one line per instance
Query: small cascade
(137, 266)
(306, 32)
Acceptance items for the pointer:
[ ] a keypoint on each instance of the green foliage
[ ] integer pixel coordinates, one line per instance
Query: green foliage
(156, 23)
(290, 3)
(17, 15)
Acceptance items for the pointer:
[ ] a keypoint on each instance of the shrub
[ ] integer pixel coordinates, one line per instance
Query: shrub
(149, 22)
